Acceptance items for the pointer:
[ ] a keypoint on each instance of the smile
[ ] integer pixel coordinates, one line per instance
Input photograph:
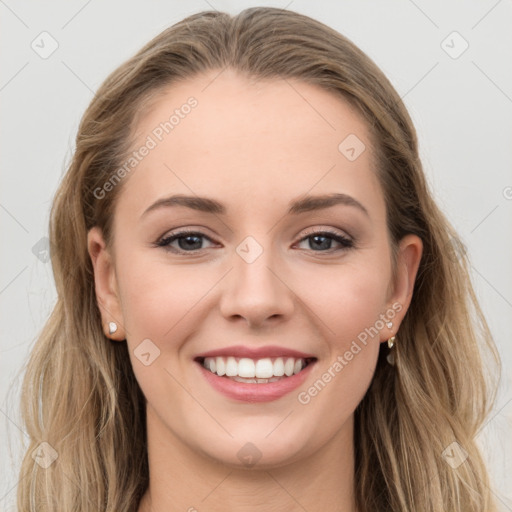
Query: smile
(255, 375)
(255, 371)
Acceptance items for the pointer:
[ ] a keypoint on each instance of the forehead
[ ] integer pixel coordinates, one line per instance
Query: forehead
(223, 134)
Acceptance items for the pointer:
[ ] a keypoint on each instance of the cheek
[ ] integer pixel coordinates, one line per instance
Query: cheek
(160, 302)
(155, 296)
(350, 310)
(347, 298)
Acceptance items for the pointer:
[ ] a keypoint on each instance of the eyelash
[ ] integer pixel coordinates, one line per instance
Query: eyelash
(165, 242)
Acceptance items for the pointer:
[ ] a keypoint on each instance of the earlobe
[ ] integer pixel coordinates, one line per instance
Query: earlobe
(105, 286)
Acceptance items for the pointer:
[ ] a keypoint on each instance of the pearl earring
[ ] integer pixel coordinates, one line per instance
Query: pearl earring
(112, 327)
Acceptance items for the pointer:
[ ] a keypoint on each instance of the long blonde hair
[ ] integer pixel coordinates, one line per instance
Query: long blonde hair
(79, 392)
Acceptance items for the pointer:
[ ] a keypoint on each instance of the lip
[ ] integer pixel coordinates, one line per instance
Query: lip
(255, 392)
(255, 352)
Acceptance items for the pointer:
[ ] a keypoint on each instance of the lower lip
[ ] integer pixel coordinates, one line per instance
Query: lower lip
(256, 392)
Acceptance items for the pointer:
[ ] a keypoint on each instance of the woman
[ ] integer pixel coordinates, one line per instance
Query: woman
(259, 306)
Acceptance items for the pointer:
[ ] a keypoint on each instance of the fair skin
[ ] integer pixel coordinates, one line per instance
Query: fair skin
(254, 147)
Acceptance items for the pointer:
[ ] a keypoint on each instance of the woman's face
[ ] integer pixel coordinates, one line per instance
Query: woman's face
(259, 288)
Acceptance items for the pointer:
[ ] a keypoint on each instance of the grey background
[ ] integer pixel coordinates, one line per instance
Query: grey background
(462, 109)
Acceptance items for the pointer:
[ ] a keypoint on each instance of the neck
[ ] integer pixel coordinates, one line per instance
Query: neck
(184, 480)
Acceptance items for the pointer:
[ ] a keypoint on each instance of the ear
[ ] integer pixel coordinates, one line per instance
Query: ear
(409, 254)
(105, 282)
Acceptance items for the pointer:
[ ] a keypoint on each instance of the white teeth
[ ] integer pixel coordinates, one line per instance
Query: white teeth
(220, 364)
(264, 368)
(246, 368)
(246, 381)
(231, 367)
(260, 371)
(289, 366)
(255, 381)
(279, 367)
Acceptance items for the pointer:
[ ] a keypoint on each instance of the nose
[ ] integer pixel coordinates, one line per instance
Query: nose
(257, 291)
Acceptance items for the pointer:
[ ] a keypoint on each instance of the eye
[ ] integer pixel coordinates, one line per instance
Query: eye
(188, 241)
(323, 241)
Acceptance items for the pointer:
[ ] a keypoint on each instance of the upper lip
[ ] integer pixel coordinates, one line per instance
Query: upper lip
(255, 352)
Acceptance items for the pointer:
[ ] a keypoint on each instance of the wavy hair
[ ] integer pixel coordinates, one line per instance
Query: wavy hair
(79, 393)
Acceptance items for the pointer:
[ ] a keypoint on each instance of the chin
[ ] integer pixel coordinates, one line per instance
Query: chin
(258, 446)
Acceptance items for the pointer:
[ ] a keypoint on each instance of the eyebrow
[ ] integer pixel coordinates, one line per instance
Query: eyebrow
(296, 206)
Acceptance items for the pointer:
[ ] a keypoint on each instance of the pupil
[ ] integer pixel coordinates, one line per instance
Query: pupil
(326, 241)
(188, 244)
